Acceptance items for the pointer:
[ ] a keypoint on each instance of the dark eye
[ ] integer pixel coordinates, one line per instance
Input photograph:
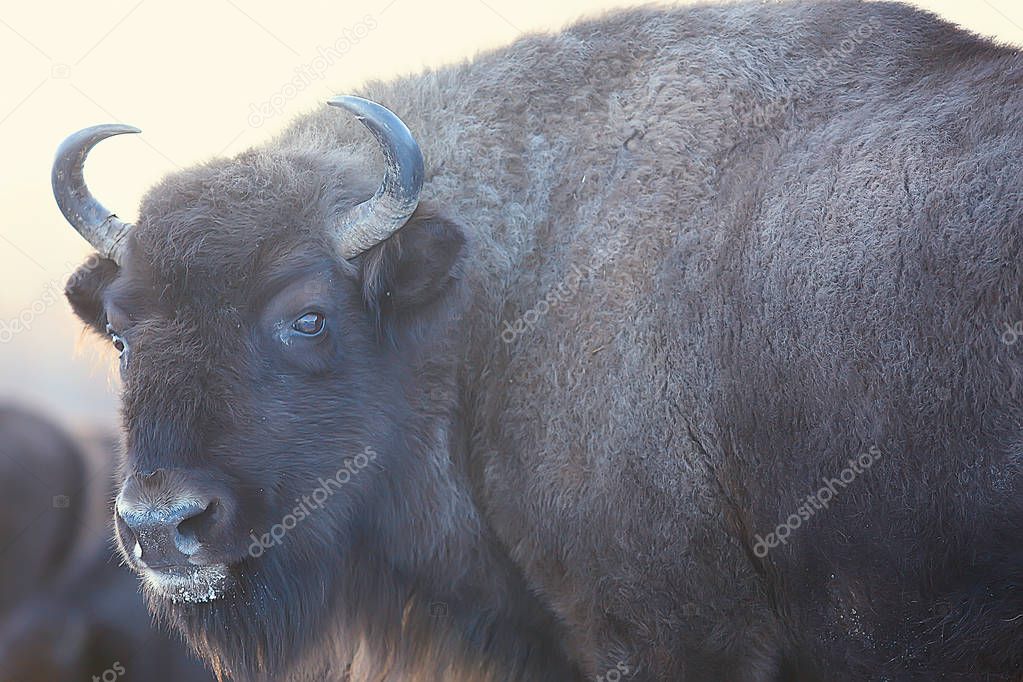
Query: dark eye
(310, 324)
(119, 343)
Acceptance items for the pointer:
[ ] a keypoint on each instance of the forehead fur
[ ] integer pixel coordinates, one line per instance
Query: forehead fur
(211, 227)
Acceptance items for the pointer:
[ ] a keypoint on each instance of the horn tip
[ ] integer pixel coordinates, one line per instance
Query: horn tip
(355, 105)
(116, 129)
(345, 100)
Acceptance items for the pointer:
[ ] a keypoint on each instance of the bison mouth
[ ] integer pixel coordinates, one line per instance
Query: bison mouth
(177, 537)
(166, 571)
(193, 584)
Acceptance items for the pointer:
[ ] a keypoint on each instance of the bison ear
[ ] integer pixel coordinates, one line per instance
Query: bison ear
(85, 291)
(411, 278)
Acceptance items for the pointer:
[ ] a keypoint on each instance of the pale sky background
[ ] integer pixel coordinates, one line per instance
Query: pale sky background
(191, 75)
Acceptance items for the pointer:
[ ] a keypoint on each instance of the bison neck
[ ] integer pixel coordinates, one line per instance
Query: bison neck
(464, 617)
(434, 596)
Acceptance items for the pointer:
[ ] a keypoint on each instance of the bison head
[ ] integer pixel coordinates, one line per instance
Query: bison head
(280, 325)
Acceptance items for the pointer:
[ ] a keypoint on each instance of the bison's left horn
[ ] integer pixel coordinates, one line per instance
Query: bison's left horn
(383, 214)
(100, 227)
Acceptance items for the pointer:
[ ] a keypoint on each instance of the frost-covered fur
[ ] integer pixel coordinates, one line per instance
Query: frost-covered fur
(777, 235)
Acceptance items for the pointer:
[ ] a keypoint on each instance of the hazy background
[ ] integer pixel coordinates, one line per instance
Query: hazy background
(203, 79)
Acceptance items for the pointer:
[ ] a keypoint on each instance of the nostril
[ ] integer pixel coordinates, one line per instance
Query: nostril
(159, 536)
(192, 529)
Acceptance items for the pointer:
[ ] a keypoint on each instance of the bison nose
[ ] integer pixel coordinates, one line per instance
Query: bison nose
(161, 535)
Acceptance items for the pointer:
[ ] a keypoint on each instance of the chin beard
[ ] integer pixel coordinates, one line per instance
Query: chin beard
(254, 620)
(188, 584)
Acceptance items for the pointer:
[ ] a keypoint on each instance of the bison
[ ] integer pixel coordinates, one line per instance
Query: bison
(670, 347)
(92, 624)
(69, 612)
(42, 490)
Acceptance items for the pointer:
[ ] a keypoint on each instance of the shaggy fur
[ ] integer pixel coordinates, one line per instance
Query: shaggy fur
(798, 228)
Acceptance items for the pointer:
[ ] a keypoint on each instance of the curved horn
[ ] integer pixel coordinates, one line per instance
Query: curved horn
(100, 227)
(380, 216)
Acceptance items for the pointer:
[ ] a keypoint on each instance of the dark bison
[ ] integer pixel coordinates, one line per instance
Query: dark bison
(70, 612)
(681, 358)
(42, 492)
(92, 625)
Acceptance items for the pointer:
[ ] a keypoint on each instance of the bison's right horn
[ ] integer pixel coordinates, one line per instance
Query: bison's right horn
(100, 227)
(383, 214)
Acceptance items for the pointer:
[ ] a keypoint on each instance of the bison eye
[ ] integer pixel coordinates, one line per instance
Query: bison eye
(310, 324)
(119, 343)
